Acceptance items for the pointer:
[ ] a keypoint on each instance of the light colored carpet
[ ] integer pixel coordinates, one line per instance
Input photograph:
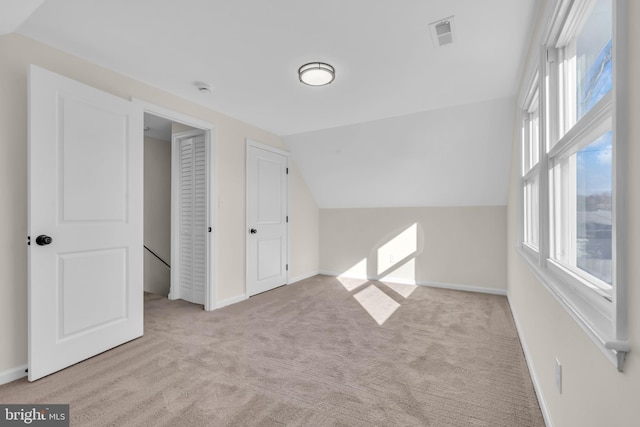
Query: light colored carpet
(307, 354)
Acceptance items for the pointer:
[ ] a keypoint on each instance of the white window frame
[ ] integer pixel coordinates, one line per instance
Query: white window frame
(531, 163)
(599, 309)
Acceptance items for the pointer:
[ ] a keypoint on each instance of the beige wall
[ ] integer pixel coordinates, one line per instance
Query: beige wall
(179, 127)
(16, 53)
(157, 214)
(453, 246)
(594, 393)
(304, 224)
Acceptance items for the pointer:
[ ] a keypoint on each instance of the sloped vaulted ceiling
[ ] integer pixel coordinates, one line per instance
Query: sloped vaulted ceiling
(386, 68)
(456, 156)
(14, 12)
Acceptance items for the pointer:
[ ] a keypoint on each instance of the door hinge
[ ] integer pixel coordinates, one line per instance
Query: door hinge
(28, 240)
(209, 229)
(287, 218)
(287, 171)
(287, 267)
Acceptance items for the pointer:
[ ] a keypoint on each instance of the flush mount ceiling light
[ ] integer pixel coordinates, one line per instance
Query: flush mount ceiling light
(316, 74)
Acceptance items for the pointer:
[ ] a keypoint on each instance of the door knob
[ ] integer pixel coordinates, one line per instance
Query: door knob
(253, 231)
(43, 240)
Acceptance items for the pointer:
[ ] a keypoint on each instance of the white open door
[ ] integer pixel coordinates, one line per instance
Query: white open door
(267, 203)
(85, 222)
(190, 217)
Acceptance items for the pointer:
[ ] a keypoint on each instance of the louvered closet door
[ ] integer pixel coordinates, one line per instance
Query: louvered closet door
(193, 219)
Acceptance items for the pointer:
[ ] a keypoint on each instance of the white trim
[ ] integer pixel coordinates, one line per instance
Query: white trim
(532, 372)
(209, 130)
(172, 115)
(337, 274)
(230, 301)
(583, 314)
(302, 277)
(399, 280)
(452, 286)
(620, 182)
(267, 147)
(578, 12)
(13, 374)
(598, 121)
(466, 288)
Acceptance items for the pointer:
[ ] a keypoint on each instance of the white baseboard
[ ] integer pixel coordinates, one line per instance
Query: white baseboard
(230, 301)
(399, 280)
(302, 277)
(13, 374)
(243, 297)
(334, 274)
(532, 371)
(402, 281)
(467, 288)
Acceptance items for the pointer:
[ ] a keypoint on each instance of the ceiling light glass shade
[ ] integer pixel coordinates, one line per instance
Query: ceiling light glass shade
(316, 74)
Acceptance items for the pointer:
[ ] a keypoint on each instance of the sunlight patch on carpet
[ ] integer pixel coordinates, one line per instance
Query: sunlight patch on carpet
(351, 284)
(378, 304)
(402, 289)
(359, 269)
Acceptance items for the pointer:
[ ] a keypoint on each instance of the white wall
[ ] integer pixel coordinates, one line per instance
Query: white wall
(157, 214)
(17, 52)
(447, 246)
(457, 156)
(594, 393)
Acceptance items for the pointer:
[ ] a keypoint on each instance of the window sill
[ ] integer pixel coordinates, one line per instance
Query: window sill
(594, 315)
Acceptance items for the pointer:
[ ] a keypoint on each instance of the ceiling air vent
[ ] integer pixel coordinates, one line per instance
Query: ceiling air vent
(442, 31)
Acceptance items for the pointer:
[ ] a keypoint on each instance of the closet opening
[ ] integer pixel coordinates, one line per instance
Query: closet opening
(178, 222)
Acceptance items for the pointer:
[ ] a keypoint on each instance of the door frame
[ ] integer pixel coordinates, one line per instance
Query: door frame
(209, 132)
(286, 154)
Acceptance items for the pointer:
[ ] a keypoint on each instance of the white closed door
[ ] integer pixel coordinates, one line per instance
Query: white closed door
(189, 276)
(85, 222)
(267, 200)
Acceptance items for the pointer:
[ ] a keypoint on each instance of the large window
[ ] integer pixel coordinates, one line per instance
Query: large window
(571, 221)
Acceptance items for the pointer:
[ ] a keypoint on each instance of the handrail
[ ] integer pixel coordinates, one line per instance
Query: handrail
(156, 255)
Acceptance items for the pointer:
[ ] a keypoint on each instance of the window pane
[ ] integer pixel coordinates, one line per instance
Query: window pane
(531, 134)
(562, 207)
(534, 131)
(531, 212)
(594, 188)
(593, 58)
(582, 208)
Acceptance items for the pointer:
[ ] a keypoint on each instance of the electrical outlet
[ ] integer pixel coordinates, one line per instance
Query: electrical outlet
(558, 376)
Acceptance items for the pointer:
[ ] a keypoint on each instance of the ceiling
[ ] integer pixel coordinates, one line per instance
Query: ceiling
(250, 50)
(157, 127)
(403, 124)
(14, 12)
